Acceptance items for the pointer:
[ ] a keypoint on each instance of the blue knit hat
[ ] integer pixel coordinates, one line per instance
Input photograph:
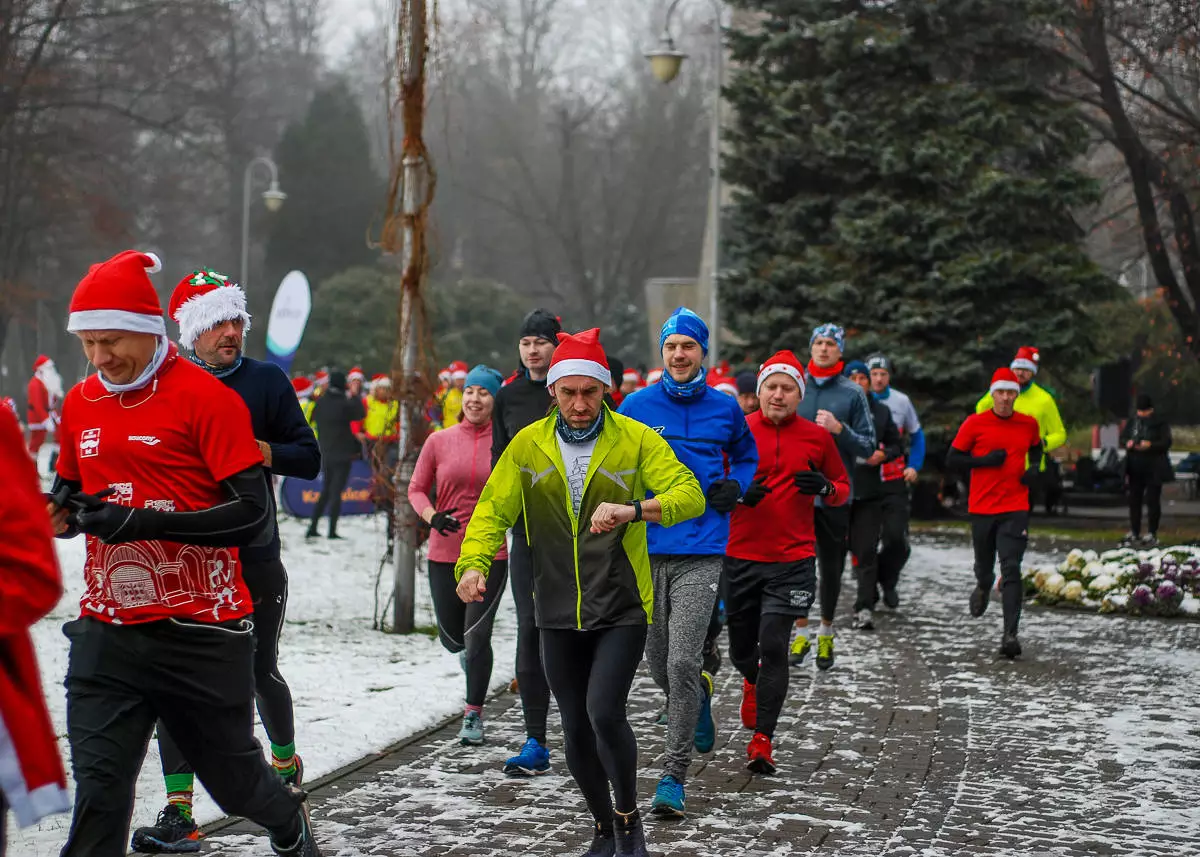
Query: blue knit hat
(856, 366)
(486, 377)
(685, 322)
(831, 330)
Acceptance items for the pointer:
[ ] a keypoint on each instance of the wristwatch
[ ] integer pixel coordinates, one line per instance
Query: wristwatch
(637, 510)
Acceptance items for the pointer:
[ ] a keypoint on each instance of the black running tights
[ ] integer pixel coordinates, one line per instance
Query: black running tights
(468, 627)
(758, 648)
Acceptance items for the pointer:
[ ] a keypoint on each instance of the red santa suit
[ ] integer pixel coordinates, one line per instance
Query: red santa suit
(42, 396)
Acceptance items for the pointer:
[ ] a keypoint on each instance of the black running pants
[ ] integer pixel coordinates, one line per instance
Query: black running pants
(1149, 493)
(199, 678)
(337, 475)
(832, 526)
(590, 673)
(866, 522)
(1006, 536)
(894, 548)
(531, 676)
(268, 585)
(468, 627)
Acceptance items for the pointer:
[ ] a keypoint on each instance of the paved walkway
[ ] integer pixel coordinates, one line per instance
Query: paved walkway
(919, 741)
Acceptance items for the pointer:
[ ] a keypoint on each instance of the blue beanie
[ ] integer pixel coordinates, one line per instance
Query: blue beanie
(856, 366)
(486, 377)
(685, 322)
(831, 330)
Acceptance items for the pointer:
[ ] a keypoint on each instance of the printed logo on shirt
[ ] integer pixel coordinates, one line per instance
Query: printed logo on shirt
(124, 493)
(161, 505)
(148, 439)
(89, 443)
(658, 429)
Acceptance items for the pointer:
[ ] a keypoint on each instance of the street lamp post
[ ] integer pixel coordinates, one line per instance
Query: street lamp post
(666, 61)
(273, 198)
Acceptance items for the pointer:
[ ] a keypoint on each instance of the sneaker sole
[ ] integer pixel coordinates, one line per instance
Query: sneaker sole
(150, 845)
(663, 810)
(470, 742)
(760, 766)
(824, 666)
(518, 771)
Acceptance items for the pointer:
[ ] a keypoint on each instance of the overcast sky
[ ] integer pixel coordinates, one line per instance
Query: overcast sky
(343, 19)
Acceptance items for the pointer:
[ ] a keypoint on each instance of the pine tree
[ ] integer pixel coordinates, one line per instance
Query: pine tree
(903, 169)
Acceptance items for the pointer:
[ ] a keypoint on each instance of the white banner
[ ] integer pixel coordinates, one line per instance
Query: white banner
(289, 315)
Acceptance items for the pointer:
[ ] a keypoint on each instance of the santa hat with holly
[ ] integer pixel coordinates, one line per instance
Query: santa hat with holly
(782, 363)
(1004, 379)
(118, 295)
(580, 354)
(204, 299)
(1027, 358)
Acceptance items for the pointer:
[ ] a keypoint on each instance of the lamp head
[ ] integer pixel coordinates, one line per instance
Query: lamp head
(665, 60)
(273, 198)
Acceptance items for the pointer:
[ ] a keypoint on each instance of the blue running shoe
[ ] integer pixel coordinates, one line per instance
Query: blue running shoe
(668, 798)
(706, 727)
(533, 759)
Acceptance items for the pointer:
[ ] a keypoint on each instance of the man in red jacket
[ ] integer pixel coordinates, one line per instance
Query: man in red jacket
(771, 558)
(32, 781)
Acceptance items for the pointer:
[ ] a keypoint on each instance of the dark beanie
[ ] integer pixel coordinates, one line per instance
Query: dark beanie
(617, 367)
(747, 382)
(1144, 402)
(337, 381)
(543, 324)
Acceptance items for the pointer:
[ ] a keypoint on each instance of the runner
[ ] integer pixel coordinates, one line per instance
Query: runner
(304, 390)
(747, 392)
(1147, 441)
(838, 405)
(33, 783)
(44, 395)
(866, 514)
(522, 401)
(707, 432)
(165, 628)
(456, 464)
(452, 400)
(1002, 449)
(382, 422)
(897, 476)
(212, 317)
(1035, 401)
(631, 381)
(583, 463)
(334, 417)
(771, 558)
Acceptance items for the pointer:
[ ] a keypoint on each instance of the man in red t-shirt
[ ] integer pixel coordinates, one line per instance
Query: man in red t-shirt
(770, 560)
(160, 470)
(1003, 451)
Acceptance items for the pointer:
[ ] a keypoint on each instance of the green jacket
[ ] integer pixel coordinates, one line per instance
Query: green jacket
(1034, 401)
(581, 580)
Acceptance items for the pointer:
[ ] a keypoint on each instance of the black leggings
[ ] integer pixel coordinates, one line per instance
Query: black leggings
(1150, 493)
(590, 673)
(268, 585)
(468, 627)
(1006, 536)
(866, 523)
(832, 526)
(531, 676)
(758, 648)
(337, 475)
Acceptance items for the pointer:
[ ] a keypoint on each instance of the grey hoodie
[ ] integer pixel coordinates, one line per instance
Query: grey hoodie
(846, 401)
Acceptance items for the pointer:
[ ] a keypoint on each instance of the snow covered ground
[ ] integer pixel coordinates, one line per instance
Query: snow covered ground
(356, 690)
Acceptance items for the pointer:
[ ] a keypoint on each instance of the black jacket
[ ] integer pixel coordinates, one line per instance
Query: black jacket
(868, 483)
(332, 415)
(1151, 465)
(518, 404)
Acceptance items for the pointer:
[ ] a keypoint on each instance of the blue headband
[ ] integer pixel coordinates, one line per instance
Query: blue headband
(832, 331)
(686, 323)
(486, 377)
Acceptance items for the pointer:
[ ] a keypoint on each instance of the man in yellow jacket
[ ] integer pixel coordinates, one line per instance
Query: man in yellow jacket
(383, 412)
(1033, 401)
(581, 477)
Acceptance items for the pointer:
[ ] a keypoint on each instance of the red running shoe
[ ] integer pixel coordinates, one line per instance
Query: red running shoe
(759, 754)
(749, 705)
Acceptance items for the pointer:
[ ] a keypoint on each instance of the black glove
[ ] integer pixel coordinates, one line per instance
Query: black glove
(445, 522)
(755, 493)
(723, 495)
(112, 523)
(1032, 476)
(813, 481)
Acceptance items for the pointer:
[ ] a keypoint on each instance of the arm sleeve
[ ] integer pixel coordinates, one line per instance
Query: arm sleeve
(672, 484)
(1163, 445)
(916, 450)
(500, 438)
(423, 476)
(834, 469)
(294, 450)
(1054, 433)
(498, 508)
(860, 431)
(234, 523)
(30, 585)
(743, 453)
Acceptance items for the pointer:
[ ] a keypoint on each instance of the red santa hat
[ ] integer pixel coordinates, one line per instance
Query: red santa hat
(458, 370)
(118, 295)
(322, 377)
(446, 374)
(356, 374)
(726, 385)
(632, 375)
(785, 363)
(1005, 379)
(381, 380)
(41, 361)
(580, 354)
(303, 387)
(1027, 358)
(204, 299)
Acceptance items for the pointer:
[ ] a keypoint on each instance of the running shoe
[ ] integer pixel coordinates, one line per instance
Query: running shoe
(979, 601)
(891, 598)
(533, 759)
(1010, 646)
(864, 620)
(1150, 541)
(824, 651)
(1129, 540)
(604, 843)
(631, 837)
(759, 755)
(711, 657)
(661, 719)
(749, 705)
(471, 733)
(706, 727)
(801, 646)
(304, 846)
(175, 832)
(668, 798)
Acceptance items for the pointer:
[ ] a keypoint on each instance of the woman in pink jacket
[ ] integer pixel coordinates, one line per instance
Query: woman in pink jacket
(456, 463)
